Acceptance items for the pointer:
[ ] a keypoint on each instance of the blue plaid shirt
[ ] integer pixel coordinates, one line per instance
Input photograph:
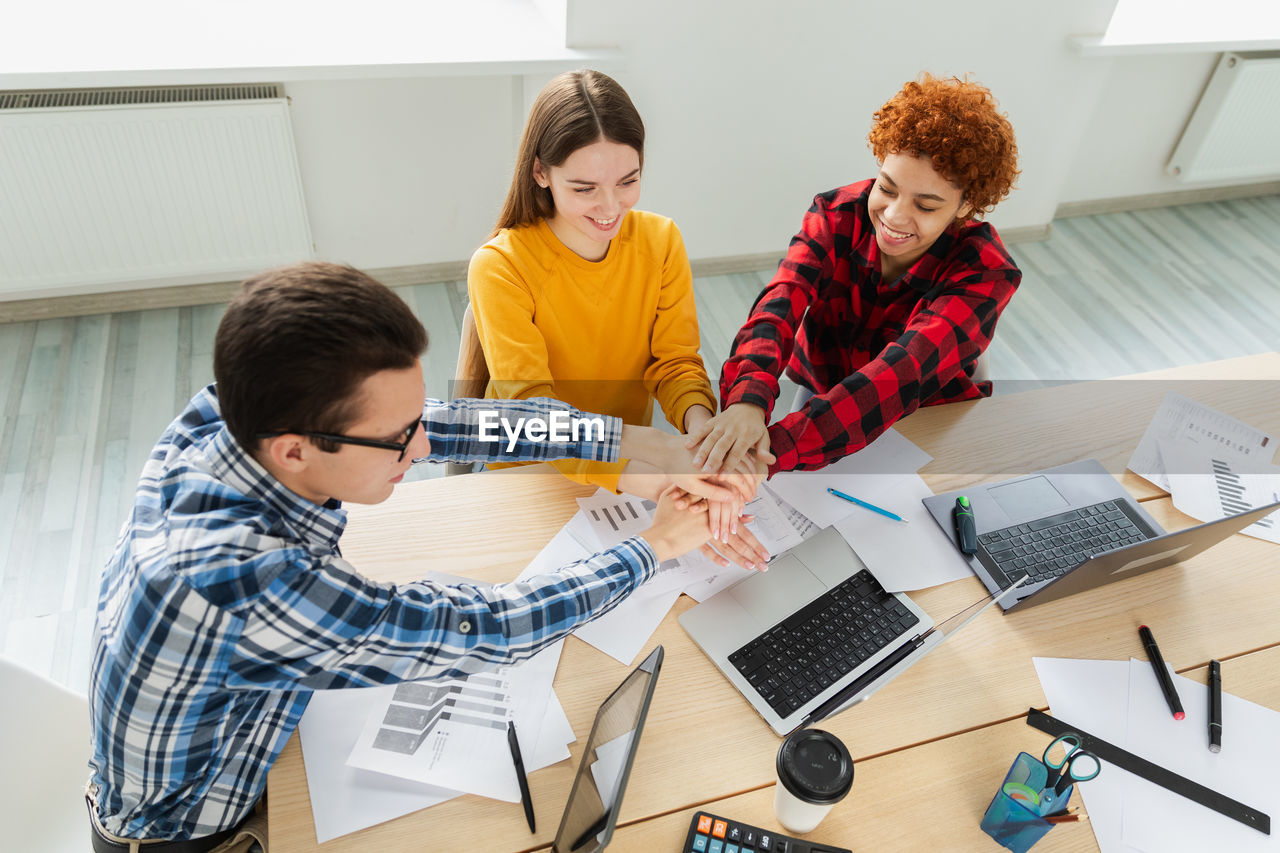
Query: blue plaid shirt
(227, 603)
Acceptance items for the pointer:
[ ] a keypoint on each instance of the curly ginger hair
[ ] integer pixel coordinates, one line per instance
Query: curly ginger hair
(955, 124)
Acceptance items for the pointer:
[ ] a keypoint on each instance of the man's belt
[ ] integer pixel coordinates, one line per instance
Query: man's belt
(103, 844)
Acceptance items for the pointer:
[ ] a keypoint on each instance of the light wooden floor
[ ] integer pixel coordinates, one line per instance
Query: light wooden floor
(83, 399)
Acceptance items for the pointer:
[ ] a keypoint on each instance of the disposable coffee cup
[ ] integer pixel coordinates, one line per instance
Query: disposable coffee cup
(815, 772)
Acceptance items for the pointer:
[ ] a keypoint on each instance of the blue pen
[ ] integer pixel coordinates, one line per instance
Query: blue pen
(851, 499)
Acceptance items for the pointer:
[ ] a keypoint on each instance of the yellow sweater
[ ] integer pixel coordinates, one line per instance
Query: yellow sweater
(604, 336)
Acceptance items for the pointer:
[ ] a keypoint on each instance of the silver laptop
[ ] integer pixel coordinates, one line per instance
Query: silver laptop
(795, 640)
(1071, 528)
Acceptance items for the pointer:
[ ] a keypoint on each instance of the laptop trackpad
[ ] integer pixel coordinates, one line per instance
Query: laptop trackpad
(773, 595)
(1034, 497)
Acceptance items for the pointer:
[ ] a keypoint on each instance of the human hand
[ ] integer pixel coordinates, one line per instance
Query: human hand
(695, 416)
(676, 531)
(724, 441)
(741, 547)
(659, 459)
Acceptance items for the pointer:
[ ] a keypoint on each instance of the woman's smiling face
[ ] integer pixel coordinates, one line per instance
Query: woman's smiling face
(910, 206)
(592, 191)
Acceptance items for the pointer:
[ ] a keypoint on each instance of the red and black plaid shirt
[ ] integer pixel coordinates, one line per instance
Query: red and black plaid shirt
(872, 351)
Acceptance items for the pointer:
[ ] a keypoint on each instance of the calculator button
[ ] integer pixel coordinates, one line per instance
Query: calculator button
(719, 829)
(749, 838)
(704, 823)
(735, 833)
(717, 846)
(731, 848)
(699, 844)
(766, 841)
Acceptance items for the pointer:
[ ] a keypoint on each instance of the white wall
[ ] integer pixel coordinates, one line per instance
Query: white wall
(406, 171)
(1134, 126)
(751, 108)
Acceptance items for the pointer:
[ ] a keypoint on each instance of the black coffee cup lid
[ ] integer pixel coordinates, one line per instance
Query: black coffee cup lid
(815, 766)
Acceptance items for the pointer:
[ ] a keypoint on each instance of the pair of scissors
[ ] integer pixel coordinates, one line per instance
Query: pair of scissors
(1072, 764)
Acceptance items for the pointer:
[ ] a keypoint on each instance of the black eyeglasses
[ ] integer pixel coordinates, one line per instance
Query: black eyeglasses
(409, 432)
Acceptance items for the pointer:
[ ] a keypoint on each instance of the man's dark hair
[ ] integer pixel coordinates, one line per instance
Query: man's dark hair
(296, 342)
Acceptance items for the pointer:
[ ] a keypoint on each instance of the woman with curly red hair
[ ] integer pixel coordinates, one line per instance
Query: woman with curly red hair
(888, 294)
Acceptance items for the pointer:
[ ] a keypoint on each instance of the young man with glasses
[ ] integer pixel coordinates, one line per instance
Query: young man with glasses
(227, 600)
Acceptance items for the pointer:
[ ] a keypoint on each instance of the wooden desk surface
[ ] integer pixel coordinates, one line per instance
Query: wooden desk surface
(704, 744)
(944, 808)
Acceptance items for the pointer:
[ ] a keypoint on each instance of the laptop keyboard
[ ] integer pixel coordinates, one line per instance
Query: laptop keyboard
(816, 646)
(1049, 547)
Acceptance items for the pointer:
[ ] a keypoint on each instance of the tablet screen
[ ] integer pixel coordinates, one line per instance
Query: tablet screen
(592, 810)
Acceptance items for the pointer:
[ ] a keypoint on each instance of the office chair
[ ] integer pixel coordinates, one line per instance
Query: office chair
(470, 378)
(44, 734)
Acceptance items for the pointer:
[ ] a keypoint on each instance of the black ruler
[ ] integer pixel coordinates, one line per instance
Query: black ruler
(1181, 785)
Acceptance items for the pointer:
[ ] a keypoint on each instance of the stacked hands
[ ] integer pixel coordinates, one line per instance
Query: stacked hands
(707, 477)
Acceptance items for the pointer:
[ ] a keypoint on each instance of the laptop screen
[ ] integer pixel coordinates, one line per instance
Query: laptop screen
(596, 795)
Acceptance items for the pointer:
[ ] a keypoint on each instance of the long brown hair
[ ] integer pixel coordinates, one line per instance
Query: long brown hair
(574, 110)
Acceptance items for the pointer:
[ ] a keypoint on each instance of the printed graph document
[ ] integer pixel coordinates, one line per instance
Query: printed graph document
(903, 557)
(1207, 484)
(346, 799)
(453, 733)
(1181, 419)
(889, 458)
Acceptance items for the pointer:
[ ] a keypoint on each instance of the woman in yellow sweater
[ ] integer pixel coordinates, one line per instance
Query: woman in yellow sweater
(579, 297)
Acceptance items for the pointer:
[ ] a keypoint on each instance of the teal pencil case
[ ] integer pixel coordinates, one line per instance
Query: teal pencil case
(1013, 818)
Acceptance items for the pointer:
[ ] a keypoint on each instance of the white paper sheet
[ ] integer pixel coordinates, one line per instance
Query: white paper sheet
(1156, 819)
(770, 524)
(564, 549)
(453, 734)
(903, 557)
(346, 799)
(622, 632)
(888, 458)
(1208, 484)
(605, 770)
(1180, 418)
(713, 578)
(1094, 695)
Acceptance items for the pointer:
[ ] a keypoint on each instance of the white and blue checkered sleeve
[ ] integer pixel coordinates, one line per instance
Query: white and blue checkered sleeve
(539, 428)
(324, 625)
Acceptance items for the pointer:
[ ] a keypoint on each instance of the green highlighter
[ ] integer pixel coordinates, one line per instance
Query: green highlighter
(966, 527)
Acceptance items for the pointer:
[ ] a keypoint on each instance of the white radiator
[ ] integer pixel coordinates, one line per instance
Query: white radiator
(108, 189)
(1234, 131)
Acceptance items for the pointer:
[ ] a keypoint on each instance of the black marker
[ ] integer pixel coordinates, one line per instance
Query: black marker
(1215, 706)
(1162, 673)
(966, 527)
(525, 799)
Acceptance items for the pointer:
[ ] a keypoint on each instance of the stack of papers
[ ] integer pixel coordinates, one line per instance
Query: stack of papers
(1211, 464)
(1121, 702)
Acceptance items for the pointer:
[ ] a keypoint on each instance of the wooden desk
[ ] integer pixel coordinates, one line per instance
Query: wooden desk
(704, 746)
